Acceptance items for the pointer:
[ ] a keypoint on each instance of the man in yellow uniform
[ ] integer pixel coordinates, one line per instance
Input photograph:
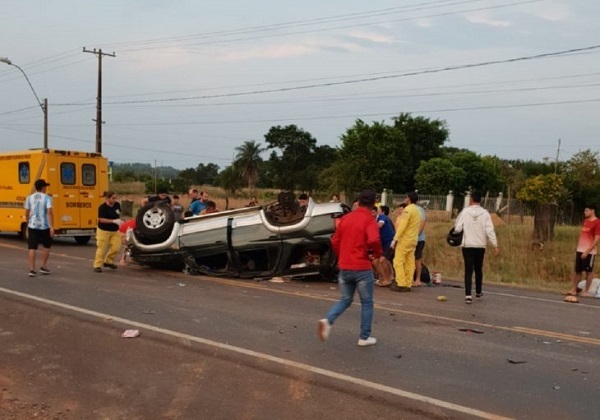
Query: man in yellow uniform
(405, 243)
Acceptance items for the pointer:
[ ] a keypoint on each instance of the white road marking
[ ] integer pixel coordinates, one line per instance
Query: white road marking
(262, 356)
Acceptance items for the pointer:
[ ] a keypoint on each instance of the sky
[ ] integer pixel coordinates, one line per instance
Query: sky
(191, 80)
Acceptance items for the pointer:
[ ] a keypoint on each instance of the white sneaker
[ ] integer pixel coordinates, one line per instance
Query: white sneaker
(371, 341)
(324, 328)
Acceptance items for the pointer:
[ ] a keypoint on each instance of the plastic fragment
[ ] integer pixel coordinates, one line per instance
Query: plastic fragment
(130, 333)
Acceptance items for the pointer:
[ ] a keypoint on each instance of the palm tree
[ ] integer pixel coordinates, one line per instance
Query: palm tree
(248, 161)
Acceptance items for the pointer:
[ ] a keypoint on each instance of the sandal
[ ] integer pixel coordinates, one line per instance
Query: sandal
(569, 293)
(381, 283)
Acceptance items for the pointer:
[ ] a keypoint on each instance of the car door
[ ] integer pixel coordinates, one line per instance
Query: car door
(255, 250)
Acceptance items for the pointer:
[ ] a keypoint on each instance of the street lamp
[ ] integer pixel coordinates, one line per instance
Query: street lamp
(43, 105)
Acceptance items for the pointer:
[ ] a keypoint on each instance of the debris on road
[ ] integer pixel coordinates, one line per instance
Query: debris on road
(442, 298)
(516, 362)
(277, 280)
(181, 284)
(130, 333)
(149, 312)
(571, 299)
(470, 330)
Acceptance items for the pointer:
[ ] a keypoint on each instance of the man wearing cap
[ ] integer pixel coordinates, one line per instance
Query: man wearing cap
(38, 213)
(356, 242)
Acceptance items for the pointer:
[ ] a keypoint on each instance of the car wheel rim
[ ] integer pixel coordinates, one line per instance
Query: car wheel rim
(154, 219)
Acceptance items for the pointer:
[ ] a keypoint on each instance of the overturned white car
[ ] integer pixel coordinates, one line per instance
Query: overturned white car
(281, 239)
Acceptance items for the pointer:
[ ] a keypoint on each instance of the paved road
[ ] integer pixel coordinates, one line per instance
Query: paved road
(218, 348)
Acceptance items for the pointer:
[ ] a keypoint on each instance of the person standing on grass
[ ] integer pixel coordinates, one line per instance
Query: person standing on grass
(355, 241)
(108, 237)
(476, 223)
(38, 213)
(586, 251)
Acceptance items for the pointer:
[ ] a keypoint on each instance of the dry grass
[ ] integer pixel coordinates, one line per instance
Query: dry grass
(134, 191)
(521, 261)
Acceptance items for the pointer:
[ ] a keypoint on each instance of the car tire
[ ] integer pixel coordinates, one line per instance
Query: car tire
(24, 233)
(154, 222)
(82, 240)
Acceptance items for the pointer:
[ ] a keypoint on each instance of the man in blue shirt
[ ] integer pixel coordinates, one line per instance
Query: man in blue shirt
(386, 228)
(199, 205)
(38, 213)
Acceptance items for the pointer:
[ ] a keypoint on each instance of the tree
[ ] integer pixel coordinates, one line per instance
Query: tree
(482, 173)
(425, 138)
(206, 174)
(439, 176)
(582, 178)
(248, 161)
(374, 156)
(290, 169)
(544, 192)
(230, 179)
(189, 174)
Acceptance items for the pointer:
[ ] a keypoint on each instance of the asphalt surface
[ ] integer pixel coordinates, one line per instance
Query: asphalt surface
(220, 348)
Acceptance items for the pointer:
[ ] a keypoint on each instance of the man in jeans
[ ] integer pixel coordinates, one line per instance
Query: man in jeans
(356, 242)
(477, 225)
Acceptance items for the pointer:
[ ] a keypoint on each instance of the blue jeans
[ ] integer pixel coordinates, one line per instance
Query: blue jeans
(349, 281)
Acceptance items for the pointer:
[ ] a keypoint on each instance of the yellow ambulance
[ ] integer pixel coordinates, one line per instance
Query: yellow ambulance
(77, 181)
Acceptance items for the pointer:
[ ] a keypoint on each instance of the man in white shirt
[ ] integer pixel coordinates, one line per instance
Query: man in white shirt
(38, 213)
(478, 228)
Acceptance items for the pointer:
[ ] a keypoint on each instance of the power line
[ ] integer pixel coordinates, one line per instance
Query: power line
(367, 79)
(284, 25)
(195, 43)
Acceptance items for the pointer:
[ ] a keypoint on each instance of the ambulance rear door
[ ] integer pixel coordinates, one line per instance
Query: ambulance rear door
(75, 203)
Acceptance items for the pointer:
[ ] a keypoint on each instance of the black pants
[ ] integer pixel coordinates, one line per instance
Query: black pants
(473, 262)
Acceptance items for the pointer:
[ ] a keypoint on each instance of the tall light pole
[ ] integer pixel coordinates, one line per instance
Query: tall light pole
(43, 105)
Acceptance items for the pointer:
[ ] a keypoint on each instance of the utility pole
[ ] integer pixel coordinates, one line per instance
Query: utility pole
(556, 161)
(98, 120)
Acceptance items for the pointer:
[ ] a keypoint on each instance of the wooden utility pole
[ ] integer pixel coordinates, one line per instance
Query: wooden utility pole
(99, 121)
(557, 155)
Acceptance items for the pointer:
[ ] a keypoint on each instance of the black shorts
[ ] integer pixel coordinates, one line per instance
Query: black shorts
(38, 236)
(419, 250)
(584, 264)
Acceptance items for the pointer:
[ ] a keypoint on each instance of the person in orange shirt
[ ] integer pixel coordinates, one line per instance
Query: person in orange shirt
(586, 251)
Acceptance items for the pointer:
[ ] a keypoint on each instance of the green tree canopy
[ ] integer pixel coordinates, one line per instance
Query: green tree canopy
(248, 161)
(543, 189)
(230, 180)
(582, 178)
(425, 138)
(439, 176)
(482, 173)
(290, 167)
(374, 156)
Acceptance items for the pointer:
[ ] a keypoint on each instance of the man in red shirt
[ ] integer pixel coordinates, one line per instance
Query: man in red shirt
(586, 251)
(356, 242)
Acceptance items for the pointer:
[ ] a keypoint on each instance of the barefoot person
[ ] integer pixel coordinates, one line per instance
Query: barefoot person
(586, 251)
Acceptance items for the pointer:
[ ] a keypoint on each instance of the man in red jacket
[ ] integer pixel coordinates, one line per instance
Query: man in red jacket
(356, 242)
